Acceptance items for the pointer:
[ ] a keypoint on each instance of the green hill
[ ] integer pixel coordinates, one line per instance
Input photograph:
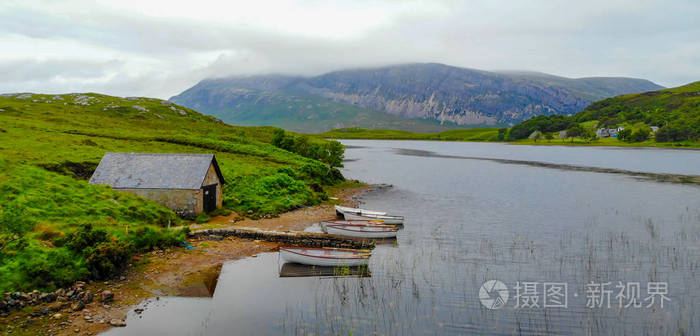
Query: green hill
(675, 111)
(57, 228)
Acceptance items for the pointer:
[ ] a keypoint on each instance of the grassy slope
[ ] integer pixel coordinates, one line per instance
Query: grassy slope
(41, 135)
(470, 134)
(682, 100)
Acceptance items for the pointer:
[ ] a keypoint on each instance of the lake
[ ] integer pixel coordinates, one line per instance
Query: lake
(576, 252)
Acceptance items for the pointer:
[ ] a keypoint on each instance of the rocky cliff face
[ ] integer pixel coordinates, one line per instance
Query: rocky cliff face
(426, 91)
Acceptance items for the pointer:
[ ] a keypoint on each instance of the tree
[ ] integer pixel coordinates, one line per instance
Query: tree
(623, 134)
(575, 131)
(282, 140)
(639, 135)
(502, 134)
(336, 154)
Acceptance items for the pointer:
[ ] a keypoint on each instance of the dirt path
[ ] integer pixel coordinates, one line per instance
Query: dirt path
(176, 271)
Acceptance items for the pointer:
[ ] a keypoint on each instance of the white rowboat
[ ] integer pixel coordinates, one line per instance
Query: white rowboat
(342, 209)
(363, 231)
(361, 214)
(325, 256)
(353, 222)
(387, 219)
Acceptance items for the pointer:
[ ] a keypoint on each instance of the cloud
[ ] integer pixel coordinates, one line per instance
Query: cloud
(161, 48)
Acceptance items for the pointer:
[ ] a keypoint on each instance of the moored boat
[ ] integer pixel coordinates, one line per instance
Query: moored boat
(363, 231)
(362, 214)
(341, 209)
(361, 222)
(387, 219)
(325, 256)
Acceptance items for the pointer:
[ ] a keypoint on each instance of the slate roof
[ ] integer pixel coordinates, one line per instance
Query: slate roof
(154, 170)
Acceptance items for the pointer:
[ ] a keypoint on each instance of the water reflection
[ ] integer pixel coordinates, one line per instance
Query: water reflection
(290, 270)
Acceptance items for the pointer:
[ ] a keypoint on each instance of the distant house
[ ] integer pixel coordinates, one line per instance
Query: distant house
(606, 132)
(654, 129)
(186, 183)
(535, 135)
(562, 134)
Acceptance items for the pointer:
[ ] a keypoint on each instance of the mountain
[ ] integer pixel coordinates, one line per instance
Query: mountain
(276, 101)
(675, 111)
(405, 97)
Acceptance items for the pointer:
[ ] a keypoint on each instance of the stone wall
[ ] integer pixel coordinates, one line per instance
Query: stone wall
(186, 203)
(304, 239)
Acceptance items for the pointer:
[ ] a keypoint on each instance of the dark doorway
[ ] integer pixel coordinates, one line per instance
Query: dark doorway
(209, 197)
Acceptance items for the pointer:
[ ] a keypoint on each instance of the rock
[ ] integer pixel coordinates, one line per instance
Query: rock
(89, 296)
(216, 238)
(56, 316)
(138, 310)
(107, 296)
(77, 306)
(117, 323)
(56, 306)
(47, 297)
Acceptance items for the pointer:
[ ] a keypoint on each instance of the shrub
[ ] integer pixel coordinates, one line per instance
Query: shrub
(203, 217)
(639, 135)
(328, 152)
(624, 134)
(107, 258)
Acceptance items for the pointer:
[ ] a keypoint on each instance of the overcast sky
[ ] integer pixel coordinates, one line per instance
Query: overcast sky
(160, 48)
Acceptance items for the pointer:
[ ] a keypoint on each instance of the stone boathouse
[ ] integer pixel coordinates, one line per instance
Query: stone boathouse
(186, 183)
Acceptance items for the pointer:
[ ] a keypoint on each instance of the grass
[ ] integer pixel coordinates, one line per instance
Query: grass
(606, 142)
(469, 134)
(491, 135)
(50, 144)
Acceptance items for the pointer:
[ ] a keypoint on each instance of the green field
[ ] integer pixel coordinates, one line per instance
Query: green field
(57, 228)
(613, 142)
(469, 134)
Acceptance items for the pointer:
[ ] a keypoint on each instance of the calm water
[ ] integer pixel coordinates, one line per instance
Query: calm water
(469, 221)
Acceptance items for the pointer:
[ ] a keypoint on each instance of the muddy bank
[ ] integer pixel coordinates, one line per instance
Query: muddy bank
(171, 272)
(672, 178)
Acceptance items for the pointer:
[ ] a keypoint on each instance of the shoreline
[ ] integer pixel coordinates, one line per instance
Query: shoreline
(173, 272)
(695, 147)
